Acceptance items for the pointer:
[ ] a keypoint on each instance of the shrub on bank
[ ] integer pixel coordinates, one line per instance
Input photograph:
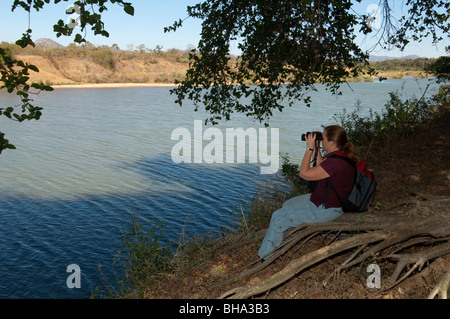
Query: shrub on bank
(399, 118)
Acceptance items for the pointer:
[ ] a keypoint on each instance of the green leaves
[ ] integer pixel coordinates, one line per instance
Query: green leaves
(425, 18)
(4, 143)
(286, 48)
(15, 77)
(15, 73)
(146, 257)
(129, 9)
(398, 119)
(89, 12)
(441, 68)
(25, 40)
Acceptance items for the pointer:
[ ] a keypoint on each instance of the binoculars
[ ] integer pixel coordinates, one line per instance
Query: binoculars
(319, 136)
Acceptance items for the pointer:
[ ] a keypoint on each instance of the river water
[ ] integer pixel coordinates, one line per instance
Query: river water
(99, 156)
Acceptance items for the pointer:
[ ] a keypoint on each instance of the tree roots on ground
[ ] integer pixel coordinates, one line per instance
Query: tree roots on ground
(424, 225)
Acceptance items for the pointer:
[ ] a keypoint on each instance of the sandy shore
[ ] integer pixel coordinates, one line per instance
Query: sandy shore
(110, 85)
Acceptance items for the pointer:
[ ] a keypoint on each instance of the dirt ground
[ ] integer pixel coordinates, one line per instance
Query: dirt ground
(408, 168)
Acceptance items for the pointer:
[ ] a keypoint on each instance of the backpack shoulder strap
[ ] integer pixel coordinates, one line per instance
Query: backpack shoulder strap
(348, 160)
(328, 184)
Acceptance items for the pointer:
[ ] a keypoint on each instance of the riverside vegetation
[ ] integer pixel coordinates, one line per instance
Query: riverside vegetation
(90, 64)
(406, 145)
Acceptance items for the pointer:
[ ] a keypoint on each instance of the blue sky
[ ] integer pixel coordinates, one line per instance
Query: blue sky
(146, 26)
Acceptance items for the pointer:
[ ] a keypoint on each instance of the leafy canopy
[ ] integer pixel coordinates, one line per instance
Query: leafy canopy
(287, 46)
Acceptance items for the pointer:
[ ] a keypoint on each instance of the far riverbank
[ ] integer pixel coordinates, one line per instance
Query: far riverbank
(110, 85)
(387, 75)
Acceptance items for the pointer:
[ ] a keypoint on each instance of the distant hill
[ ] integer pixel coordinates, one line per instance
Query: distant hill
(48, 43)
(376, 58)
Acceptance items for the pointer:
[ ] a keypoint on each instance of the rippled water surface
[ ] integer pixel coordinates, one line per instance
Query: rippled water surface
(99, 156)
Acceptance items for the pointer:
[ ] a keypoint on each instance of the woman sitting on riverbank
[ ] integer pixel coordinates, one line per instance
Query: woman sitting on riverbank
(320, 206)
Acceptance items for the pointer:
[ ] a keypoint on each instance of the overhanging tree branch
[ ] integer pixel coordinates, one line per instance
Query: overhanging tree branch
(287, 47)
(15, 73)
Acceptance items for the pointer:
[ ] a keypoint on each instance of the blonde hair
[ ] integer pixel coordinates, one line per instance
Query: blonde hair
(338, 135)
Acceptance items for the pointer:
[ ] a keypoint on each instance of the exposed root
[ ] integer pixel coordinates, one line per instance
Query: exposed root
(426, 224)
(442, 287)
